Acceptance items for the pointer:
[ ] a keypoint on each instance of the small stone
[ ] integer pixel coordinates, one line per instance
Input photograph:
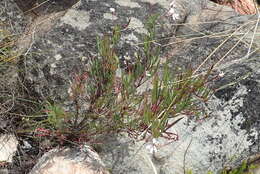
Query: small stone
(70, 161)
(8, 147)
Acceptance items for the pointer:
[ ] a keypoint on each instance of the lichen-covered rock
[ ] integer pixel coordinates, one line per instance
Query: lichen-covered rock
(11, 17)
(70, 161)
(230, 134)
(12, 24)
(65, 48)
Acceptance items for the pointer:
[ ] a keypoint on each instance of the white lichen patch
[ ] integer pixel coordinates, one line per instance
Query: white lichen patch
(130, 38)
(83, 58)
(57, 56)
(174, 11)
(214, 142)
(110, 16)
(70, 90)
(53, 67)
(137, 25)
(77, 19)
(237, 100)
(128, 3)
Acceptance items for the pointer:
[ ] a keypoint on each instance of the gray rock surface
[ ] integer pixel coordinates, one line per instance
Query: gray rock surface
(12, 24)
(231, 132)
(11, 17)
(67, 42)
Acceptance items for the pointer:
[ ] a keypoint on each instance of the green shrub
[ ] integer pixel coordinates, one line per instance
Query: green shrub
(244, 168)
(116, 99)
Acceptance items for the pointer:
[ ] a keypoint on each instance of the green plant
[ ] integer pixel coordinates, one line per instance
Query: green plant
(117, 101)
(244, 168)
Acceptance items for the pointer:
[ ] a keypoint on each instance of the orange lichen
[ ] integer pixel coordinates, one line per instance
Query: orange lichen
(245, 7)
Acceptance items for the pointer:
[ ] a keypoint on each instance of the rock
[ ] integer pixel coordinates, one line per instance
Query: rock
(65, 41)
(70, 161)
(204, 33)
(12, 23)
(241, 6)
(42, 7)
(231, 132)
(8, 148)
(12, 17)
(123, 155)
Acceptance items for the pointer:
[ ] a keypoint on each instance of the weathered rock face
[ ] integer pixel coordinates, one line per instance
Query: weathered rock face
(234, 104)
(64, 49)
(231, 132)
(12, 23)
(11, 17)
(70, 161)
(208, 27)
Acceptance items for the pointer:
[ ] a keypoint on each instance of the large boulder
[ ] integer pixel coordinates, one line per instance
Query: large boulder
(58, 45)
(210, 33)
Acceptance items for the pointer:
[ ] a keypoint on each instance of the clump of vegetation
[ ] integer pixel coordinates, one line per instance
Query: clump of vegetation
(244, 168)
(116, 101)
